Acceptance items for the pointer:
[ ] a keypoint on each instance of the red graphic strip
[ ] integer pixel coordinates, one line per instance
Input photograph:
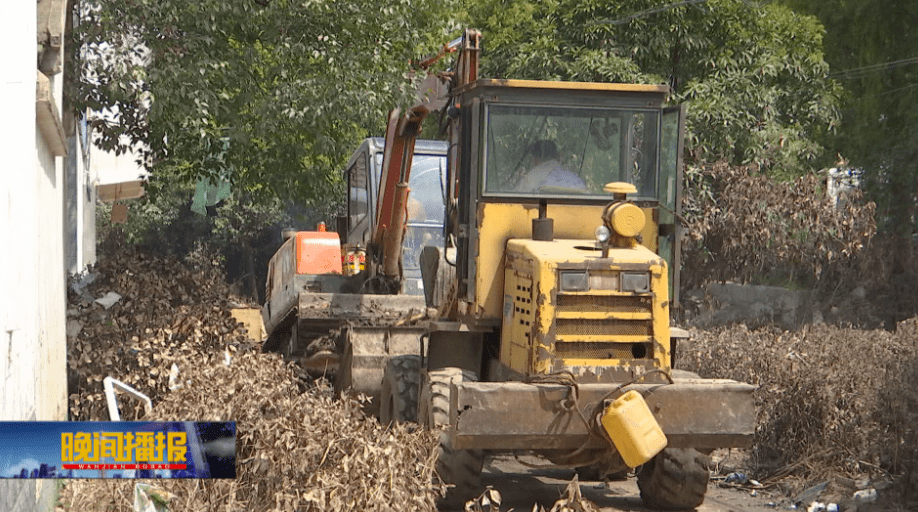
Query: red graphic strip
(124, 466)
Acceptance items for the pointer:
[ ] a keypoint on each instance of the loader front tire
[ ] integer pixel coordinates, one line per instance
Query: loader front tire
(676, 479)
(460, 469)
(399, 395)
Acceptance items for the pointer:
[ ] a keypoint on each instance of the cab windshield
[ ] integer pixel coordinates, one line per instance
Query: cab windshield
(565, 151)
(425, 208)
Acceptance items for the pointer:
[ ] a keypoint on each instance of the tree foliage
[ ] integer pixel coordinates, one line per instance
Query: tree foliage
(754, 75)
(872, 48)
(270, 94)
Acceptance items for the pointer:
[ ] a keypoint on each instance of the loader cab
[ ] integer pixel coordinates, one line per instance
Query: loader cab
(525, 142)
(425, 204)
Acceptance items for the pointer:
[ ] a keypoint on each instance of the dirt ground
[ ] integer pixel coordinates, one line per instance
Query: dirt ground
(522, 488)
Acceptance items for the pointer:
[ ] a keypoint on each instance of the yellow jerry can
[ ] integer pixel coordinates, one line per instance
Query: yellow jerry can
(634, 431)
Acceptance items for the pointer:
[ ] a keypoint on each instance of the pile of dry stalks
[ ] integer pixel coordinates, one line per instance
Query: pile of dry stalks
(829, 399)
(745, 227)
(167, 309)
(297, 448)
(742, 225)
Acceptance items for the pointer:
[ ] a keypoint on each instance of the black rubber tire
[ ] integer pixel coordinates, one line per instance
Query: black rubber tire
(461, 469)
(398, 399)
(676, 479)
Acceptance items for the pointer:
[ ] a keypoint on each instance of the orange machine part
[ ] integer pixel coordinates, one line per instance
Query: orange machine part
(318, 252)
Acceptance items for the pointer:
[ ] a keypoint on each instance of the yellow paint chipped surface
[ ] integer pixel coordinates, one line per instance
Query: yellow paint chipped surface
(500, 222)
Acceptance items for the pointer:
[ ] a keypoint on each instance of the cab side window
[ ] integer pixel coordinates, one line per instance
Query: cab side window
(358, 200)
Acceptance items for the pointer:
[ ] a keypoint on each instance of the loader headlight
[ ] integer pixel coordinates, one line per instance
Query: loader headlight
(602, 234)
(573, 281)
(636, 282)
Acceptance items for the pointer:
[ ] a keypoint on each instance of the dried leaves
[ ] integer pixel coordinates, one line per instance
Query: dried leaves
(843, 400)
(572, 501)
(743, 226)
(301, 450)
(298, 447)
(169, 309)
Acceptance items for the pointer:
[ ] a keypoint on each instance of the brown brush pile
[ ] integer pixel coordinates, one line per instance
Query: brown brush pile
(168, 309)
(297, 447)
(744, 226)
(830, 400)
(295, 450)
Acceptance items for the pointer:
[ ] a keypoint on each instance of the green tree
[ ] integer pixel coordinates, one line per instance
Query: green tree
(872, 48)
(270, 94)
(754, 75)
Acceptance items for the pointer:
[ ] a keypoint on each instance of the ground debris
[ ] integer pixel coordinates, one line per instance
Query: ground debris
(832, 402)
(489, 501)
(572, 501)
(298, 447)
(166, 309)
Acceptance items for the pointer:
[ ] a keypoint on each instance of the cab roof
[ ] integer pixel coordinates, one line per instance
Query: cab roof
(565, 86)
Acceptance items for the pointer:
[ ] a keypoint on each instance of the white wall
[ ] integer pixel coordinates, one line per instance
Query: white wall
(32, 287)
(31, 216)
(109, 168)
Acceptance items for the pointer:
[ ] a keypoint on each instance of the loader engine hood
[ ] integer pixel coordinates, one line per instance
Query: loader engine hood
(566, 307)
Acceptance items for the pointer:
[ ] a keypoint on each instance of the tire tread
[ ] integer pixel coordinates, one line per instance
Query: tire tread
(676, 479)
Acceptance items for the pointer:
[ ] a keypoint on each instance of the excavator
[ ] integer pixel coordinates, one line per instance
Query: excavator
(548, 296)
(323, 284)
(342, 303)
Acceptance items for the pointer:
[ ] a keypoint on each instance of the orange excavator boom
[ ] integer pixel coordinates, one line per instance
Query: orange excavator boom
(401, 133)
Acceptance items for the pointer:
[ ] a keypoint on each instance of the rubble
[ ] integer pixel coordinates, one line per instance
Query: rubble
(108, 300)
(865, 496)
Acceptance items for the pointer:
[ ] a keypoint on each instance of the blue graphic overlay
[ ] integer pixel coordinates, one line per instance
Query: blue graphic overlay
(100, 449)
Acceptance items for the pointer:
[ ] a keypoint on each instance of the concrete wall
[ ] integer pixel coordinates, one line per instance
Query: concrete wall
(756, 306)
(111, 168)
(32, 285)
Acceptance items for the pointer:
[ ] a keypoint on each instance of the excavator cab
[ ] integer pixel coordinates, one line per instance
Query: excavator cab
(425, 206)
(518, 144)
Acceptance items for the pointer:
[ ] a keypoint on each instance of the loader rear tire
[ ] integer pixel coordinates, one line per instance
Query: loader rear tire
(399, 395)
(676, 479)
(460, 469)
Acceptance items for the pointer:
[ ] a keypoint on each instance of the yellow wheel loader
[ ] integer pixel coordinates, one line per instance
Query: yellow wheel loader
(554, 290)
